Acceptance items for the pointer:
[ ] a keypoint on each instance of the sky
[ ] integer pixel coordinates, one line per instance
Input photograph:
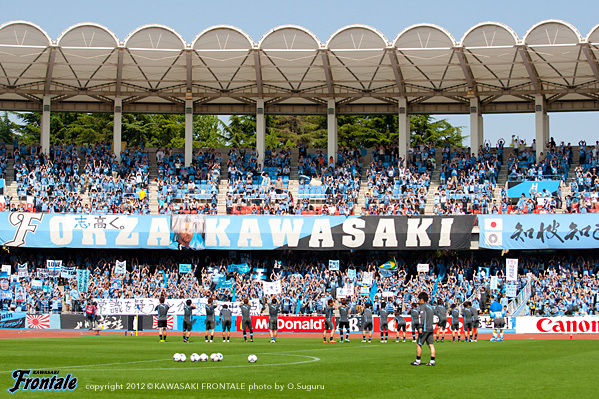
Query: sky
(323, 18)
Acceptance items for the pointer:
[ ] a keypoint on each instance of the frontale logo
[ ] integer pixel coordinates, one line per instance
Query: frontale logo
(24, 381)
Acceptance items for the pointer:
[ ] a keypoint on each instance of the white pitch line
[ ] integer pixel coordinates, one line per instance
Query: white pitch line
(87, 365)
(312, 359)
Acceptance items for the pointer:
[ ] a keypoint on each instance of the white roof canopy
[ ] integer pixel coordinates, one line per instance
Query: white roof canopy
(225, 71)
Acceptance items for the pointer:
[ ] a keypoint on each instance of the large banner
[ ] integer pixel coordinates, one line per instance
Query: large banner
(515, 189)
(12, 320)
(50, 230)
(235, 232)
(572, 231)
(558, 325)
(147, 306)
(338, 232)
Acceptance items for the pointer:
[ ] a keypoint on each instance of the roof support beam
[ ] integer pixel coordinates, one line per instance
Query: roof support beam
(397, 72)
(49, 70)
(532, 72)
(189, 74)
(327, 73)
(119, 72)
(466, 69)
(257, 65)
(591, 59)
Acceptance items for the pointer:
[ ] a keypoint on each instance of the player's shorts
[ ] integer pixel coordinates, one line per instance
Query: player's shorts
(161, 323)
(425, 338)
(247, 324)
(415, 327)
(328, 325)
(186, 325)
(209, 325)
(442, 324)
(384, 326)
(227, 325)
(90, 316)
(273, 325)
(401, 327)
(467, 326)
(499, 322)
(455, 327)
(476, 324)
(367, 326)
(343, 324)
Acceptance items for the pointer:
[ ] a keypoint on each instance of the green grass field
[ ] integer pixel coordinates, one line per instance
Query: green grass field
(514, 368)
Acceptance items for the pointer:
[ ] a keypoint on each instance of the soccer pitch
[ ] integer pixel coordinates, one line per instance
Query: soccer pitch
(305, 368)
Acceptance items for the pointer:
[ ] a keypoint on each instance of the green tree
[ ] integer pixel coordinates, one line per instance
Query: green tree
(6, 128)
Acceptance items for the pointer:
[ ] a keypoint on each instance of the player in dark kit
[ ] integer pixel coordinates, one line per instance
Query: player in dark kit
(329, 325)
(414, 315)
(384, 321)
(441, 313)
(475, 322)
(225, 318)
(344, 320)
(400, 324)
(426, 330)
(467, 321)
(367, 322)
(246, 320)
(455, 322)
(162, 309)
(187, 323)
(273, 319)
(210, 324)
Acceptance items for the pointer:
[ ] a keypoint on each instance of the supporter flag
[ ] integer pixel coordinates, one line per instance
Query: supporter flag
(169, 322)
(483, 272)
(351, 273)
(36, 285)
(493, 231)
(184, 267)
(224, 283)
(389, 265)
(373, 290)
(68, 272)
(6, 269)
(42, 273)
(272, 288)
(22, 269)
(243, 269)
(120, 267)
(511, 273)
(53, 267)
(232, 268)
(386, 273)
(367, 278)
(333, 265)
(82, 280)
(259, 274)
(38, 322)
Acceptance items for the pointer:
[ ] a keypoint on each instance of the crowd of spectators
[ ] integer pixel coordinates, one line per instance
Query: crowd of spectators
(561, 284)
(192, 189)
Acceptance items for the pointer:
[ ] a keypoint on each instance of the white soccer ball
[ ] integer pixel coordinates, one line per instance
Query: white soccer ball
(177, 357)
(194, 357)
(252, 358)
(214, 357)
(220, 357)
(435, 319)
(182, 357)
(203, 357)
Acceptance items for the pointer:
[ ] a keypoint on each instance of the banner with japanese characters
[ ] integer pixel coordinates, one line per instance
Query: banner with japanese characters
(549, 231)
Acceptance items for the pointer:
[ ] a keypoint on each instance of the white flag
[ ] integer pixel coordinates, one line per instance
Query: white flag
(271, 288)
(511, 273)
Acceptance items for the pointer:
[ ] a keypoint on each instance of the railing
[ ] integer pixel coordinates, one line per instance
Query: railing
(514, 307)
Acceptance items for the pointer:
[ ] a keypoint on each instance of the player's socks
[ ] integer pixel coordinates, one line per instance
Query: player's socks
(324, 339)
(416, 362)
(223, 339)
(206, 338)
(160, 338)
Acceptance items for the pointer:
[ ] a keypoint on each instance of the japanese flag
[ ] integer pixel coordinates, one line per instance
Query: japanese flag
(493, 231)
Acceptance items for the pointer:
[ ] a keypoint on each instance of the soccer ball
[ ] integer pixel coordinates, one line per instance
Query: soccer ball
(214, 357)
(252, 358)
(203, 357)
(435, 319)
(220, 357)
(177, 357)
(194, 357)
(182, 357)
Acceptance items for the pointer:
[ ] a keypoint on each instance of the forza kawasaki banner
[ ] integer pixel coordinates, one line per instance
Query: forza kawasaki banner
(235, 232)
(539, 231)
(338, 232)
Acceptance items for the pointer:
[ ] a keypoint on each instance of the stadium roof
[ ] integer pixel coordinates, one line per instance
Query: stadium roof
(154, 69)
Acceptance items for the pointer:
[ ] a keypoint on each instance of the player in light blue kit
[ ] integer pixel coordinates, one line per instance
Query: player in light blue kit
(497, 313)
